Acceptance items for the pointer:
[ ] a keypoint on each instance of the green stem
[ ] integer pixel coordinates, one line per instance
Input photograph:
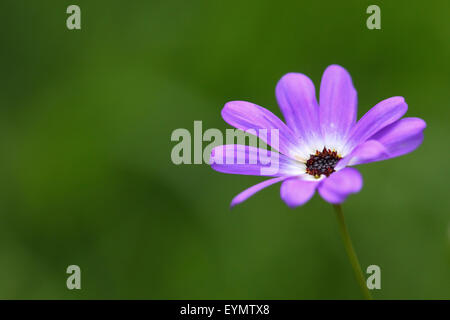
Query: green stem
(351, 252)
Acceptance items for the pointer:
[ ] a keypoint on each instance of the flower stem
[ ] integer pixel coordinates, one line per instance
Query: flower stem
(351, 252)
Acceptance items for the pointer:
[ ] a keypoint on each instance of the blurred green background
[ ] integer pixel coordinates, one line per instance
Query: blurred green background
(86, 176)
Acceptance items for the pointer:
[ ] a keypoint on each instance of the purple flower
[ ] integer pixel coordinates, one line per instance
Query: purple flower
(319, 141)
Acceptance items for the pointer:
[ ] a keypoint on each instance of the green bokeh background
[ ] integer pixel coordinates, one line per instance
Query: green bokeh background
(86, 176)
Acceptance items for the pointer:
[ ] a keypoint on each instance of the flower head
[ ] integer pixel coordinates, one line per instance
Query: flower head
(319, 141)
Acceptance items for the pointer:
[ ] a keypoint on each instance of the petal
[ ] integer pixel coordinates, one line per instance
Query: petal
(381, 115)
(340, 184)
(296, 97)
(245, 116)
(338, 105)
(369, 151)
(240, 159)
(401, 137)
(244, 195)
(296, 192)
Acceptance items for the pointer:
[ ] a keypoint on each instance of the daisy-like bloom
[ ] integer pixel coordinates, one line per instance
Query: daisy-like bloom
(320, 140)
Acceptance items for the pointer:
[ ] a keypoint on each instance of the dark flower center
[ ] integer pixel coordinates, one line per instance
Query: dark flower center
(322, 162)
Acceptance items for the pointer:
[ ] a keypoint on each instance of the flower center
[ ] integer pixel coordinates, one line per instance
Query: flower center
(322, 162)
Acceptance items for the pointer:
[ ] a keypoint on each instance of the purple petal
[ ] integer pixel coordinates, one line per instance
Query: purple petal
(245, 115)
(401, 137)
(296, 192)
(338, 104)
(369, 151)
(340, 184)
(381, 115)
(240, 159)
(296, 97)
(244, 195)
